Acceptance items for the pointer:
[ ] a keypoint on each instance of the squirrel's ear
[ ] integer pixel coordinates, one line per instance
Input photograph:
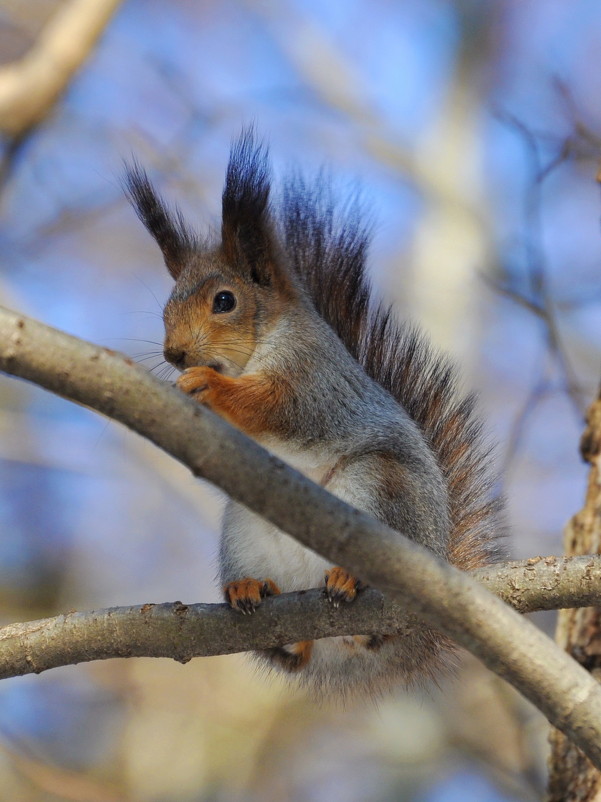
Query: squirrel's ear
(174, 238)
(246, 229)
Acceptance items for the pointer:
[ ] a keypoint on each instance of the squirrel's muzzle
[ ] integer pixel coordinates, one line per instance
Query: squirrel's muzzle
(176, 357)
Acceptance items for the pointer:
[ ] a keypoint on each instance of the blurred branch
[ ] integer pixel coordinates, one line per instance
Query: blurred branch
(438, 593)
(539, 297)
(31, 86)
(334, 79)
(183, 631)
(583, 143)
(59, 783)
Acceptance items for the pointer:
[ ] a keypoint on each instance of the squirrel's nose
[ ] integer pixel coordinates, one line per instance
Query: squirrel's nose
(176, 356)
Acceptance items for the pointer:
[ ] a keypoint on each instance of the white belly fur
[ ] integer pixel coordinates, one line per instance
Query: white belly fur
(257, 549)
(261, 550)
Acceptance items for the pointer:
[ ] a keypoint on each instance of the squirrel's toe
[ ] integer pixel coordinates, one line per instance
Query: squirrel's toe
(246, 594)
(341, 586)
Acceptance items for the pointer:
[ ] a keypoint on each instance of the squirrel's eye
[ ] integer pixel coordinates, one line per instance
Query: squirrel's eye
(224, 301)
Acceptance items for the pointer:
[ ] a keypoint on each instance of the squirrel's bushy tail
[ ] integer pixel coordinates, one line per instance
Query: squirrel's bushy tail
(328, 250)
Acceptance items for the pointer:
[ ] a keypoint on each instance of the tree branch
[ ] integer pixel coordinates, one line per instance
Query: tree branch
(571, 776)
(30, 87)
(444, 597)
(545, 583)
(183, 631)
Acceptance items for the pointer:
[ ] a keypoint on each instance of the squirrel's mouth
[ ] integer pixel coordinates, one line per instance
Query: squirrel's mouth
(225, 366)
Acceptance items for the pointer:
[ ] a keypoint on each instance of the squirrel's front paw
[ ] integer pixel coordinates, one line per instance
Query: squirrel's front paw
(246, 594)
(196, 381)
(341, 586)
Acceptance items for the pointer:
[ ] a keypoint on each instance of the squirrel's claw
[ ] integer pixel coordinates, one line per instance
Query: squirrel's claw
(193, 380)
(341, 586)
(246, 594)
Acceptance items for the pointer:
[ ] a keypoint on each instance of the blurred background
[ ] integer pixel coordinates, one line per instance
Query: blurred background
(473, 129)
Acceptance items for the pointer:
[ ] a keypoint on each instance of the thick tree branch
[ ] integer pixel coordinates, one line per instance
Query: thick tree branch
(571, 776)
(443, 596)
(183, 631)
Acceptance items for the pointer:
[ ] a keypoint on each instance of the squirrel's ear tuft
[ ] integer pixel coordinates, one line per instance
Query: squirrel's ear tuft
(168, 227)
(246, 229)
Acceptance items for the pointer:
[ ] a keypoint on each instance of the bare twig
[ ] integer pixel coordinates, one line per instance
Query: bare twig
(444, 597)
(545, 583)
(540, 300)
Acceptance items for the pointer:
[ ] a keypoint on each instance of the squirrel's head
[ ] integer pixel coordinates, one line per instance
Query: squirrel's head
(227, 296)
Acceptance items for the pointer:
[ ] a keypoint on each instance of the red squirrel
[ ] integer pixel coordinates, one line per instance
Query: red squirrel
(273, 327)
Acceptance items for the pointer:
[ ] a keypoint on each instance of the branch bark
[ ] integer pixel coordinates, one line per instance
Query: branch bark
(545, 583)
(183, 631)
(579, 631)
(443, 596)
(31, 86)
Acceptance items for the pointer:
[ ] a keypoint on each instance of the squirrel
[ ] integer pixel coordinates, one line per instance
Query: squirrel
(274, 328)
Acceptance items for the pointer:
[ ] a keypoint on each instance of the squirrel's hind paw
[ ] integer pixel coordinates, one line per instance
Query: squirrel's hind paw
(292, 657)
(246, 594)
(341, 586)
